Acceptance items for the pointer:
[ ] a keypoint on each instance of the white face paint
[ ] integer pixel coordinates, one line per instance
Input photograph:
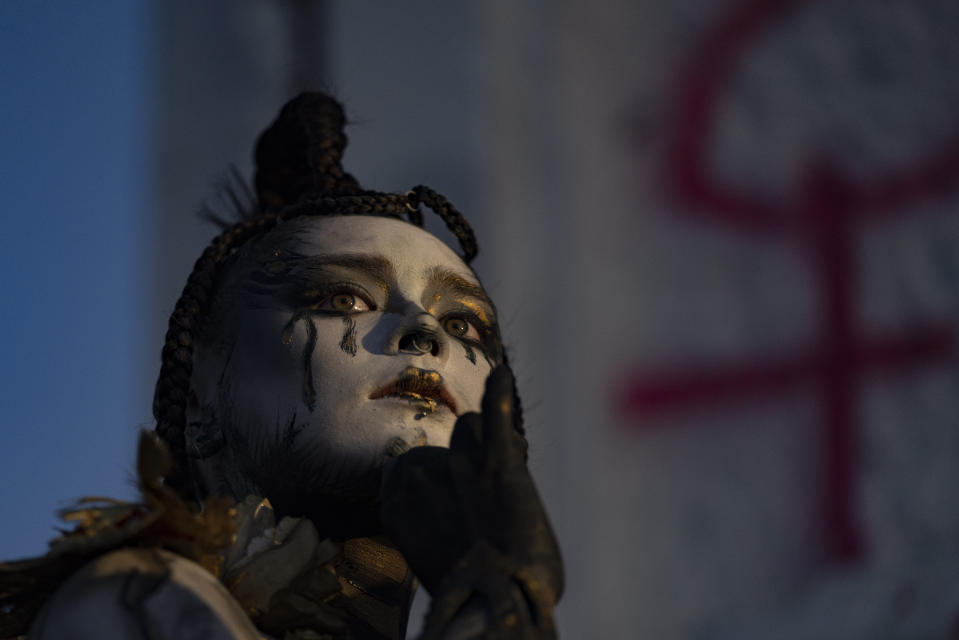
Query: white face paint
(337, 342)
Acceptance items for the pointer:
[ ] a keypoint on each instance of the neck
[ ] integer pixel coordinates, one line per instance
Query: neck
(377, 589)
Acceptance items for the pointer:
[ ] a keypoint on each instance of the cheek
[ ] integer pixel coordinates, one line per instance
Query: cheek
(469, 377)
(283, 360)
(335, 357)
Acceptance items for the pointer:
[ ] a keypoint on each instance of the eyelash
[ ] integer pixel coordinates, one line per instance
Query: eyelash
(473, 320)
(343, 287)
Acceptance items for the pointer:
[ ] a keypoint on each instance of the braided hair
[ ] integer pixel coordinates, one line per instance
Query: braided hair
(298, 173)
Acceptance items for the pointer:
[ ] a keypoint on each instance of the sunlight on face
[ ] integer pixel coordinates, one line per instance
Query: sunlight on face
(340, 342)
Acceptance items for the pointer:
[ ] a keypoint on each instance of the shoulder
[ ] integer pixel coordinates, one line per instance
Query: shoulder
(143, 593)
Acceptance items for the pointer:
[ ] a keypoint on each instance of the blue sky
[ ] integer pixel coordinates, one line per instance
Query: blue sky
(74, 174)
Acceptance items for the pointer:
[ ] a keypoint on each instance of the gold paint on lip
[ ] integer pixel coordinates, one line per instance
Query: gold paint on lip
(429, 403)
(418, 385)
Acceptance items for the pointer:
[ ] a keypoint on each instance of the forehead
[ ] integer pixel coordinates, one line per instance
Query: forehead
(406, 246)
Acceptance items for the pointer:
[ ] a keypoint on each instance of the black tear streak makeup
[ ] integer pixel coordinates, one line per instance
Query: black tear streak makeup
(290, 432)
(287, 336)
(348, 343)
(309, 390)
(470, 354)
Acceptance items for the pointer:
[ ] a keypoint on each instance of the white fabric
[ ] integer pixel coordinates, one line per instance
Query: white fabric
(142, 594)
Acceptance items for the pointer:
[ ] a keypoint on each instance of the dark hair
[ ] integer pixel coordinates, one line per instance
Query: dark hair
(298, 173)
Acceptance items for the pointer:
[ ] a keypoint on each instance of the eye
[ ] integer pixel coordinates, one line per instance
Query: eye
(344, 302)
(460, 327)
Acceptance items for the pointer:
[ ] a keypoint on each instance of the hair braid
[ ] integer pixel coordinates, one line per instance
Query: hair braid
(369, 203)
(454, 220)
(172, 388)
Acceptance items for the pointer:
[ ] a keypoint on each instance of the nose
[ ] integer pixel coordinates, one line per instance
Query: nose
(419, 333)
(419, 343)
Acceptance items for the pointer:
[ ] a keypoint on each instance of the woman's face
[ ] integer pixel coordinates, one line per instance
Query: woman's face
(336, 343)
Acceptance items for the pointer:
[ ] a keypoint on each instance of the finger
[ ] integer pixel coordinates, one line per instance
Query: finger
(498, 415)
(468, 437)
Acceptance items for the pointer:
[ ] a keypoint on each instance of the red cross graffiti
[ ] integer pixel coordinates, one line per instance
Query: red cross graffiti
(821, 216)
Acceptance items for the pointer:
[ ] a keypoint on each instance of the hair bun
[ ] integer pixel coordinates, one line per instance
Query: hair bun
(298, 156)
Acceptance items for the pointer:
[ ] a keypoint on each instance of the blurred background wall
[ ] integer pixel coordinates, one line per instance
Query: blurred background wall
(722, 236)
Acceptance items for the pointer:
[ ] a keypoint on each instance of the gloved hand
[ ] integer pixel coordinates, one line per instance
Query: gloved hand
(470, 522)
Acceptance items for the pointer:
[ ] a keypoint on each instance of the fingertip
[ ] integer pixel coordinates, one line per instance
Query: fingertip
(500, 374)
(467, 433)
(498, 397)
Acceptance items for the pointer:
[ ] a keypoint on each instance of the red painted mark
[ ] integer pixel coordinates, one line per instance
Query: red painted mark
(822, 216)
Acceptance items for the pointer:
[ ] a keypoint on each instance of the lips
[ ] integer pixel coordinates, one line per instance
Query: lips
(418, 385)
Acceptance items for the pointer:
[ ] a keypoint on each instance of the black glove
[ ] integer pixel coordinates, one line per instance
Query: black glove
(470, 522)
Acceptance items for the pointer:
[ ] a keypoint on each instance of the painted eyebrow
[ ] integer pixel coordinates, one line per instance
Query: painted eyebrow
(458, 284)
(377, 267)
